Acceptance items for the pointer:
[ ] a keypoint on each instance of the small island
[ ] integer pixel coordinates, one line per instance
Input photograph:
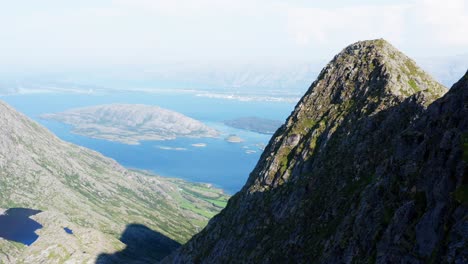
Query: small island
(255, 124)
(199, 145)
(131, 123)
(171, 148)
(234, 139)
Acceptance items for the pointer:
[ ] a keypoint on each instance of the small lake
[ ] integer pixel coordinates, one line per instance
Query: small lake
(15, 225)
(68, 230)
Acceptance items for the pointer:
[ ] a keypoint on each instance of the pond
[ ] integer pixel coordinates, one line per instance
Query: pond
(68, 230)
(15, 225)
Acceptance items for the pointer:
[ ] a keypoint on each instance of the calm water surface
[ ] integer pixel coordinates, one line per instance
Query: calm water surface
(226, 165)
(15, 225)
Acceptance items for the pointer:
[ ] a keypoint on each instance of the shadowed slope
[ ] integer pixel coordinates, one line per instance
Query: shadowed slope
(143, 245)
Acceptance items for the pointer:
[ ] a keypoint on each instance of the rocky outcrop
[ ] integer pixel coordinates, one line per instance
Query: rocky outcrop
(368, 168)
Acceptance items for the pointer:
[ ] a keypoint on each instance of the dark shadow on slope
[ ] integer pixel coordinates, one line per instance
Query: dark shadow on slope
(143, 246)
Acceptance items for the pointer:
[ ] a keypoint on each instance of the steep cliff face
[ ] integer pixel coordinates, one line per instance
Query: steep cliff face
(362, 171)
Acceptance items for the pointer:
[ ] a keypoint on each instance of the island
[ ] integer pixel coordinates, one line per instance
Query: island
(171, 148)
(255, 124)
(234, 139)
(199, 145)
(131, 123)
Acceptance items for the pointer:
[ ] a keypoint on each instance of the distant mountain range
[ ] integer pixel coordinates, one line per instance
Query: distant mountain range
(274, 82)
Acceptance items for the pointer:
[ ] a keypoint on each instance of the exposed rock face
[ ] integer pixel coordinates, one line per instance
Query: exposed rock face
(361, 172)
(92, 195)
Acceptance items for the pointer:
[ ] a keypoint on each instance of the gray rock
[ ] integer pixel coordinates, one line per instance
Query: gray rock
(368, 168)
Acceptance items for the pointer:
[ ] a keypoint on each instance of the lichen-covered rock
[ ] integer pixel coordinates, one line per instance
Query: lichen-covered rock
(363, 171)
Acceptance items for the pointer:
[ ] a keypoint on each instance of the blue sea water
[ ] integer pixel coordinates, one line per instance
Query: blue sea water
(15, 225)
(224, 164)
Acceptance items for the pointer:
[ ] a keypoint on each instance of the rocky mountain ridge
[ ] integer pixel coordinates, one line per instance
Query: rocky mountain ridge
(368, 168)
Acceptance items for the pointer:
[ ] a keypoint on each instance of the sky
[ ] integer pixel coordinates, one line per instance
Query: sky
(58, 34)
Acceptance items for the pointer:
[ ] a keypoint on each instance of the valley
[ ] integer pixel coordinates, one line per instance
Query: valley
(92, 195)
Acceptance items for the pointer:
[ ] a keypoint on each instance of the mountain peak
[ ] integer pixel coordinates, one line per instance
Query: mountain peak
(377, 44)
(365, 79)
(362, 171)
(379, 60)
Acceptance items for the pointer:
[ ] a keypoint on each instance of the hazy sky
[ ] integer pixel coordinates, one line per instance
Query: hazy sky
(62, 34)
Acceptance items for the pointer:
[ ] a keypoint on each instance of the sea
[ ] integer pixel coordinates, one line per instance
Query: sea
(209, 160)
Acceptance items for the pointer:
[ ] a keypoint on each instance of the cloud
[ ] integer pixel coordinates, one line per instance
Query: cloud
(145, 32)
(324, 25)
(424, 23)
(182, 8)
(447, 21)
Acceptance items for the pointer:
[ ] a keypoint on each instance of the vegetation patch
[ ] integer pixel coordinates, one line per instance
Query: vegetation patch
(461, 194)
(304, 125)
(420, 201)
(387, 216)
(465, 147)
(412, 68)
(413, 85)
